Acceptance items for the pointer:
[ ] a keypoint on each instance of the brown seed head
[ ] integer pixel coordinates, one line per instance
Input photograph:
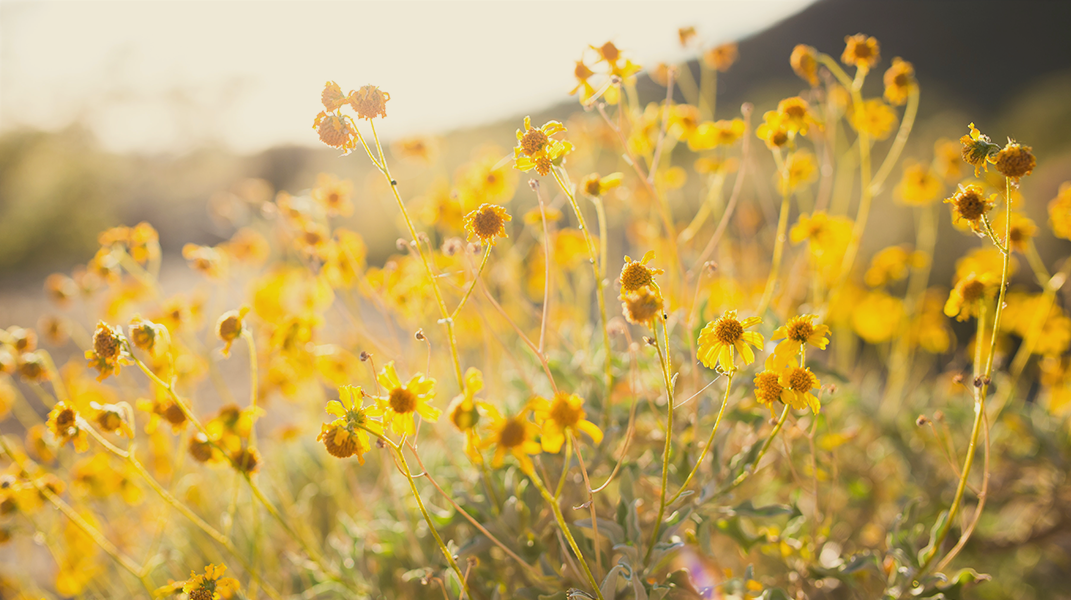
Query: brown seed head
(332, 96)
(200, 448)
(533, 141)
(1015, 161)
(512, 433)
(246, 460)
(487, 223)
(565, 411)
(106, 343)
(969, 203)
(402, 400)
(339, 446)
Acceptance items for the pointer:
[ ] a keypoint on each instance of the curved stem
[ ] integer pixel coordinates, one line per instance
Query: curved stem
(906, 124)
(663, 361)
(710, 440)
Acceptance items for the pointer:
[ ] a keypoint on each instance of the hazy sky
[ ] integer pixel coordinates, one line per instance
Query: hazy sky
(166, 76)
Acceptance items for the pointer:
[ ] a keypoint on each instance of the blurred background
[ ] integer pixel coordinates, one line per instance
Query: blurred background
(119, 112)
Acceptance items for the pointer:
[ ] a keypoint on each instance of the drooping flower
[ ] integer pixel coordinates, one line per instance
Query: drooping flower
(720, 340)
(464, 412)
(967, 298)
(369, 102)
(230, 327)
(560, 416)
(642, 307)
(65, 424)
(596, 186)
(804, 61)
(108, 352)
(977, 148)
(347, 435)
(536, 150)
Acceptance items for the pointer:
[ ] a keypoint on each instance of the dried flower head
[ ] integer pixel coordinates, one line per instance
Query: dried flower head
(64, 423)
(108, 352)
(1015, 161)
(246, 460)
(332, 96)
(977, 148)
(230, 326)
(969, 204)
(336, 131)
(369, 102)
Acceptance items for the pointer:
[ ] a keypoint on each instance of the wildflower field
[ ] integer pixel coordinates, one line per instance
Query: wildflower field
(643, 354)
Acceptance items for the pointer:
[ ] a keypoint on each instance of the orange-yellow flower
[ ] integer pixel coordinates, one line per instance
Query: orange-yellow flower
(719, 341)
(405, 401)
(798, 332)
(514, 435)
(347, 435)
(487, 223)
(861, 51)
(560, 416)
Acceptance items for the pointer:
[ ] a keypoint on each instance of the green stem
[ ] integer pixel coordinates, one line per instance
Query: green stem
(710, 441)
(762, 452)
(564, 527)
(472, 286)
(663, 361)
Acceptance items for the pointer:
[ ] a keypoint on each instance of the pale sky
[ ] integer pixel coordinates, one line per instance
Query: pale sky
(167, 76)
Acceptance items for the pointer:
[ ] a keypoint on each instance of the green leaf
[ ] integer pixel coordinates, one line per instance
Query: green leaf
(930, 549)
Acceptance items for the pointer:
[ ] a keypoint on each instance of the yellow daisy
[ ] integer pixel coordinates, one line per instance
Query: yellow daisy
(563, 414)
(796, 384)
(405, 400)
(514, 435)
(798, 332)
(720, 339)
(346, 436)
(211, 585)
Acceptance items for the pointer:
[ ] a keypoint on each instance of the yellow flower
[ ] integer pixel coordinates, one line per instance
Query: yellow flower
(861, 51)
(111, 419)
(796, 114)
(796, 385)
(892, 264)
(768, 388)
(582, 74)
(977, 148)
(230, 327)
(967, 298)
(636, 274)
(711, 134)
(65, 424)
(930, 328)
(109, 351)
(206, 259)
(514, 435)
(347, 435)
(333, 194)
(642, 306)
(969, 205)
(774, 130)
(721, 57)
(1022, 230)
(919, 186)
(827, 239)
(947, 160)
(800, 169)
(798, 332)
(720, 340)
(464, 412)
(1060, 212)
(536, 150)
(986, 260)
(874, 118)
(804, 61)
(596, 186)
(487, 223)
(564, 414)
(404, 401)
(211, 585)
(899, 82)
(876, 316)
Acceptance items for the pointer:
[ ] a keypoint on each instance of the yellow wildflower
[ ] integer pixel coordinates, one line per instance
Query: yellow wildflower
(800, 169)
(405, 401)
(861, 51)
(711, 134)
(969, 205)
(919, 185)
(798, 332)
(876, 316)
(636, 274)
(874, 118)
(892, 264)
(804, 61)
(211, 585)
(899, 82)
(536, 150)
(596, 186)
(719, 341)
(369, 102)
(487, 223)
(65, 424)
(1060, 212)
(1022, 230)
(333, 194)
(796, 385)
(1015, 161)
(564, 414)
(967, 298)
(109, 351)
(796, 114)
(774, 130)
(948, 160)
(337, 131)
(347, 435)
(464, 412)
(230, 327)
(514, 435)
(582, 74)
(642, 307)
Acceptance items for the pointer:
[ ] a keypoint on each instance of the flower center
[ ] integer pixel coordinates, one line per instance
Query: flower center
(973, 290)
(728, 330)
(801, 380)
(512, 433)
(105, 343)
(487, 223)
(65, 419)
(767, 387)
(402, 400)
(634, 276)
(970, 205)
(564, 413)
(800, 331)
(533, 142)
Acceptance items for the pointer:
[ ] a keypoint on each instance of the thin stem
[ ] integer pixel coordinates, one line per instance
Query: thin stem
(710, 440)
(663, 361)
(762, 452)
(564, 527)
(591, 504)
(472, 286)
(599, 276)
(906, 124)
(779, 241)
(565, 467)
